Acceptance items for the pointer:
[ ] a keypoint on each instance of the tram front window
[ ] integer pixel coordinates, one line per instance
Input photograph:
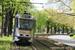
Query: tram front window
(25, 24)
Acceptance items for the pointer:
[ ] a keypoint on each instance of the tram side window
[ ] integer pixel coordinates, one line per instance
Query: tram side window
(16, 22)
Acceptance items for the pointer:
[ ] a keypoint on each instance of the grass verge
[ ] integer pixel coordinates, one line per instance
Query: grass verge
(42, 33)
(73, 36)
(5, 42)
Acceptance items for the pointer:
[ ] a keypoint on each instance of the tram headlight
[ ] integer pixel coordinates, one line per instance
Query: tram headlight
(27, 35)
(21, 34)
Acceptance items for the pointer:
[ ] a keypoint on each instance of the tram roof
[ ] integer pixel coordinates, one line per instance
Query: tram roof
(26, 16)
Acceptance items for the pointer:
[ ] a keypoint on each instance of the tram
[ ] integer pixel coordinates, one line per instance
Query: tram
(24, 27)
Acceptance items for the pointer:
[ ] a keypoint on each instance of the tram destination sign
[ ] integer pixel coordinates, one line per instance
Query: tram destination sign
(27, 16)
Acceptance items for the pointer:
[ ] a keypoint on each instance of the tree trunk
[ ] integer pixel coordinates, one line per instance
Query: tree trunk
(55, 29)
(10, 26)
(63, 29)
(71, 30)
(51, 29)
(66, 29)
(5, 26)
(38, 29)
(5, 23)
(58, 30)
(47, 27)
(10, 21)
(2, 20)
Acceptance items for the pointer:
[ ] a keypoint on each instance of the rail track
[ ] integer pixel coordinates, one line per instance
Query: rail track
(21, 46)
(52, 44)
(38, 44)
(45, 45)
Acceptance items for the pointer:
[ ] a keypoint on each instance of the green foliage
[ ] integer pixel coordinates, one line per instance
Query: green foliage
(73, 36)
(1, 1)
(17, 6)
(41, 18)
(73, 6)
(59, 19)
(0, 19)
(4, 38)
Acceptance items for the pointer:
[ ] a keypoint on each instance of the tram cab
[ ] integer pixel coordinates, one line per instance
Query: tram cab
(24, 27)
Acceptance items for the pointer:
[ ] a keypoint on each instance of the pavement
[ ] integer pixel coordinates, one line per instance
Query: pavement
(65, 39)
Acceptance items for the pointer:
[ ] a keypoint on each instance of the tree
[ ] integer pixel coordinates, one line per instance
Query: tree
(61, 5)
(11, 8)
(58, 18)
(41, 19)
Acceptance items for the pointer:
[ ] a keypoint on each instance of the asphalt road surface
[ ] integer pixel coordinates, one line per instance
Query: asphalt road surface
(65, 39)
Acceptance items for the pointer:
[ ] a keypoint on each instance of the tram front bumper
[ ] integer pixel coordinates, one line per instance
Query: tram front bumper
(21, 37)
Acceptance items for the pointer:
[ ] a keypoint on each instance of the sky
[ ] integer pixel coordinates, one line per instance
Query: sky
(54, 6)
(39, 6)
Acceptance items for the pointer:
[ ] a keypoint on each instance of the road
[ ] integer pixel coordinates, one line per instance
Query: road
(65, 39)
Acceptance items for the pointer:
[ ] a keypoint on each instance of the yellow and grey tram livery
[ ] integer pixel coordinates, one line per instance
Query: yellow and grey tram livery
(24, 27)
